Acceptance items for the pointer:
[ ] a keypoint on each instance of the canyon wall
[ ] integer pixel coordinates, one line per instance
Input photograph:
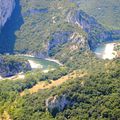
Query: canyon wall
(97, 34)
(6, 9)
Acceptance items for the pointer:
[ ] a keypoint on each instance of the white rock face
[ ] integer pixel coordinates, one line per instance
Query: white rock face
(56, 102)
(6, 9)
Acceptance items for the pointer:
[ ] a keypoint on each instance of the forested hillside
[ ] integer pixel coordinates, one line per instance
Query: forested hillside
(11, 65)
(43, 28)
(106, 12)
(83, 87)
(50, 17)
(44, 20)
(94, 95)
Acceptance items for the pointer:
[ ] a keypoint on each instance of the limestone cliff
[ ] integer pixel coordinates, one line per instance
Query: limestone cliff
(56, 104)
(96, 32)
(6, 9)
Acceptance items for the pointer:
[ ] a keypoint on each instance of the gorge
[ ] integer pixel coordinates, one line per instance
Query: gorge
(6, 9)
(59, 60)
(12, 17)
(96, 33)
(12, 22)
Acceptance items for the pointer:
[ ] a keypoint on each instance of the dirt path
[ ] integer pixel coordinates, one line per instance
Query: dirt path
(46, 85)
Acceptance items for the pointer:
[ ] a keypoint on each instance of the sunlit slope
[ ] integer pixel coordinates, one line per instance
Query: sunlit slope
(42, 18)
(106, 12)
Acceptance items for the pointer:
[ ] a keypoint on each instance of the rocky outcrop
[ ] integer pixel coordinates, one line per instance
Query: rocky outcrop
(6, 9)
(10, 66)
(60, 38)
(56, 104)
(96, 32)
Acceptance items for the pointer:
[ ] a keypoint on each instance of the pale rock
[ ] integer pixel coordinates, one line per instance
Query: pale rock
(6, 9)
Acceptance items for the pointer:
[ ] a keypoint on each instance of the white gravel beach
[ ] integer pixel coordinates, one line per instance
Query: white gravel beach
(34, 65)
(109, 52)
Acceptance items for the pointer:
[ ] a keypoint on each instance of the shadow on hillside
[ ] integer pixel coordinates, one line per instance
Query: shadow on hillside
(7, 36)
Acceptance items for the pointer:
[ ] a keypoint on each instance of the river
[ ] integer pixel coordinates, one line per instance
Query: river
(43, 64)
(36, 63)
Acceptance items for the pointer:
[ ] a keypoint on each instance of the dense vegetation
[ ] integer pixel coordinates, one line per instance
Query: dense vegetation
(94, 96)
(97, 98)
(39, 20)
(106, 12)
(41, 23)
(12, 65)
(43, 19)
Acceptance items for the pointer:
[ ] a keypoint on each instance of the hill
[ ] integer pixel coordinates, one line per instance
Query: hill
(42, 28)
(85, 87)
(105, 12)
(94, 95)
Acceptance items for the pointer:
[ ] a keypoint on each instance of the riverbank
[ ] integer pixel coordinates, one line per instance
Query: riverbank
(54, 60)
(45, 65)
(109, 52)
(106, 51)
(48, 59)
(1, 77)
(34, 65)
(15, 77)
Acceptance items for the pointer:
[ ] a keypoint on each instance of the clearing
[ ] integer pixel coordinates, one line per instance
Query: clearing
(47, 85)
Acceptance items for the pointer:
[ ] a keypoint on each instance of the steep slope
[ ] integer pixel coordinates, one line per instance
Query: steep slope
(10, 65)
(105, 12)
(97, 34)
(45, 29)
(7, 35)
(57, 28)
(93, 96)
(6, 9)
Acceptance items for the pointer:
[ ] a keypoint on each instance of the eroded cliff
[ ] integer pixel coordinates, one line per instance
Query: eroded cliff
(6, 9)
(95, 31)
